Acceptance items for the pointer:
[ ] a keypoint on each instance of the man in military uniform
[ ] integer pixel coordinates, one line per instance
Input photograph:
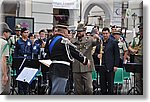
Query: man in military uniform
(3, 67)
(13, 38)
(39, 45)
(17, 35)
(62, 52)
(136, 48)
(113, 29)
(38, 52)
(122, 47)
(82, 75)
(5, 78)
(23, 49)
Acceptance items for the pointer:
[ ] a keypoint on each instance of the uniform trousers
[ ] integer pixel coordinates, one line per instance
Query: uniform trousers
(83, 83)
(58, 85)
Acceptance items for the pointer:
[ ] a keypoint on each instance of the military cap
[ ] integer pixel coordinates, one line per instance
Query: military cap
(117, 33)
(18, 27)
(5, 27)
(62, 26)
(81, 27)
(114, 26)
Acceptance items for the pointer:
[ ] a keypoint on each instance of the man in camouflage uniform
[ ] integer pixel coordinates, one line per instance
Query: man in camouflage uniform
(82, 75)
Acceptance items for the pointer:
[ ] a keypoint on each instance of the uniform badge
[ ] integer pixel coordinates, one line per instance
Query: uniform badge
(29, 44)
(34, 47)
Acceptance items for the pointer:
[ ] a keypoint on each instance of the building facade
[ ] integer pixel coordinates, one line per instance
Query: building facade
(47, 13)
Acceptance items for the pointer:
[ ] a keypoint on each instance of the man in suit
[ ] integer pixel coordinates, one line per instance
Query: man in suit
(110, 60)
(82, 75)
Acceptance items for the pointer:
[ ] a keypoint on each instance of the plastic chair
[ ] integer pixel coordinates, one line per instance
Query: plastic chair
(118, 80)
(127, 78)
(94, 75)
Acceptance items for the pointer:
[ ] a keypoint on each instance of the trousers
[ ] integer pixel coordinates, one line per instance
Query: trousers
(83, 83)
(58, 85)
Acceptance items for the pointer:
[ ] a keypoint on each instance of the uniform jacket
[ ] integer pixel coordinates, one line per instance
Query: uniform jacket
(23, 48)
(85, 45)
(59, 53)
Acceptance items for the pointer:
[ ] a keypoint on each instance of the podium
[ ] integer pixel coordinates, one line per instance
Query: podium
(99, 69)
(134, 68)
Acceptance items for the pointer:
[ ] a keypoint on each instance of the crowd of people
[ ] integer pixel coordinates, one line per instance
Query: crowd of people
(74, 52)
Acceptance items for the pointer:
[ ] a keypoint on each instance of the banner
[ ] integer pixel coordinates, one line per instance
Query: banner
(66, 4)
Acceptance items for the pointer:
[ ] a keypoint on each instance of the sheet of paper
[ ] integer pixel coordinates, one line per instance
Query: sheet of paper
(46, 62)
(27, 75)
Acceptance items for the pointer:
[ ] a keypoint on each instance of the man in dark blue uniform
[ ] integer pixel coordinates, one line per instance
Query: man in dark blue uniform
(24, 45)
(38, 52)
(23, 50)
(39, 44)
(62, 52)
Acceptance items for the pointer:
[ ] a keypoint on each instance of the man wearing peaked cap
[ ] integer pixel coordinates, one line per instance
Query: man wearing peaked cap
(122, 47)
(62, 52)
(62, 26)
(18, 27)
(117, 32)
(17, 34)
